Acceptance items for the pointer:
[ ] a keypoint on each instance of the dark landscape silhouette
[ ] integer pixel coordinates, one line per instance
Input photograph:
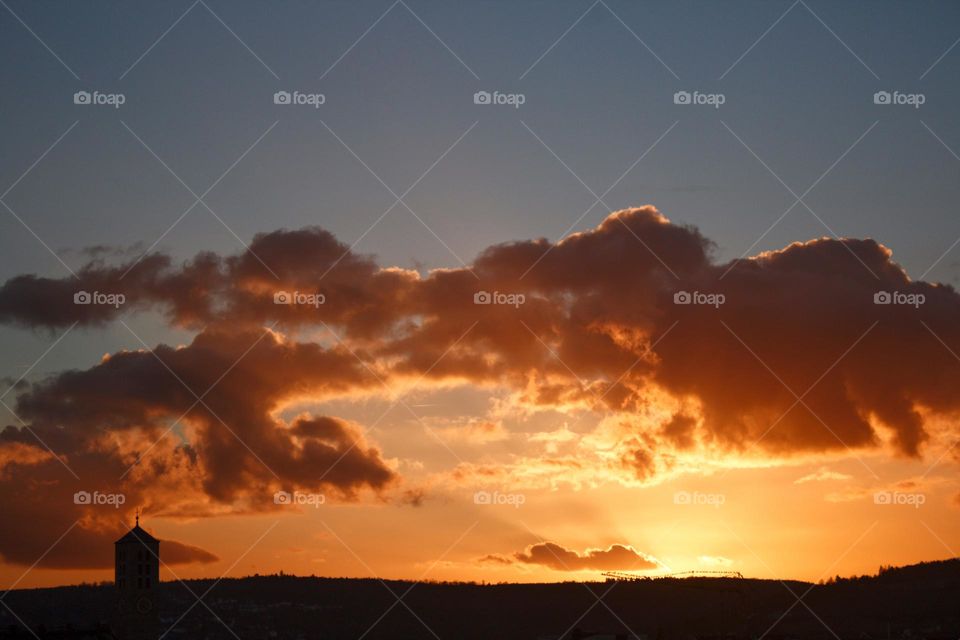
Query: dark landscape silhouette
(917, 601)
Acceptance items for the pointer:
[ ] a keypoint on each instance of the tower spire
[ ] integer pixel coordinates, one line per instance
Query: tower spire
(138, 517)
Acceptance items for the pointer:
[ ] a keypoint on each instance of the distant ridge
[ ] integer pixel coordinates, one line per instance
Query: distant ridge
(916, 601)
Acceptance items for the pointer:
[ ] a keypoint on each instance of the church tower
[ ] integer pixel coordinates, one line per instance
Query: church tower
(137, 579)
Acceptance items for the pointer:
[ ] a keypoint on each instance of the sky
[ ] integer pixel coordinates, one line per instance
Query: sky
(621, 317)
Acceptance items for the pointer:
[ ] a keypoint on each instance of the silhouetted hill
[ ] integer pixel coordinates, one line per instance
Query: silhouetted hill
(918, 601)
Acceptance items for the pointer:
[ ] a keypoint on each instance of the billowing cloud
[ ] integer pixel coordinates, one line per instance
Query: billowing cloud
(188, 431)
(218, 394)
(616, 557)
(799, 322)
(239, 289)
(822, 347)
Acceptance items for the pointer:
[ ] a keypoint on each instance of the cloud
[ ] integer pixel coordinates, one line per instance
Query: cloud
(918, 485)
(42, 520)
(595, 304)
(473, 431)
(798, 360)
(616, 557)
(92, 549)
(599, 326)
(821, 475)
(219, 392)
(178, 553)
(715, 561)
(181, 432)
(209, 288)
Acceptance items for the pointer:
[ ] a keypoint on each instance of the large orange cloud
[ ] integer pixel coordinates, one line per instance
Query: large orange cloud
(599, 327)
(598, 300)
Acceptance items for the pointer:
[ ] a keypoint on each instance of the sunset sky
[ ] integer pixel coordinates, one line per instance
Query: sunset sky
(593, 328)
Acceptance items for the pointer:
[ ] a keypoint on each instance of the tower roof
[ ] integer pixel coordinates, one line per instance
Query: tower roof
(137, 535)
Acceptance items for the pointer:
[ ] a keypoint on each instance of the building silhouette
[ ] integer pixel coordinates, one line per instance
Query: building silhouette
(136, 579)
